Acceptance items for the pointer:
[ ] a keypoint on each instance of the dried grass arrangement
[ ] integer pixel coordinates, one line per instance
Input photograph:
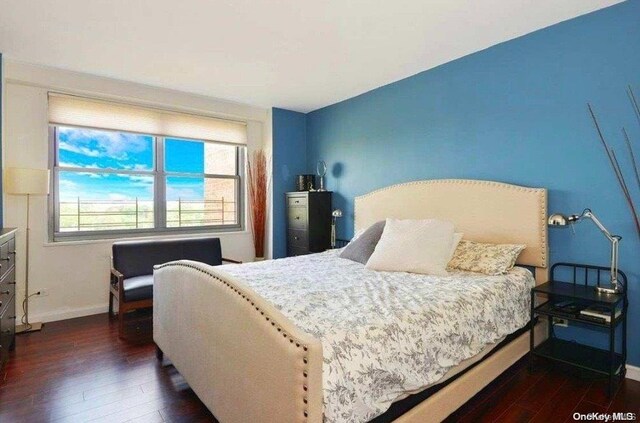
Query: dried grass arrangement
(615, 163)
(258, 187)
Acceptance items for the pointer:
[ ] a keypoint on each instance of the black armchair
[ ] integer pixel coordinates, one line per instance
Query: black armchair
(131, 280)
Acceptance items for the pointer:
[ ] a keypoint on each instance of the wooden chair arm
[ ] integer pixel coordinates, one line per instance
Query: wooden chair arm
(231, 261)
(116, 286)
(116, 274)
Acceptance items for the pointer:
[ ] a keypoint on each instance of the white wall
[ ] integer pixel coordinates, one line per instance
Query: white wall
(76, 273)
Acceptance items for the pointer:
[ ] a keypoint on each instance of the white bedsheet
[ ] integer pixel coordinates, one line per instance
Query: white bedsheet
(387, 334)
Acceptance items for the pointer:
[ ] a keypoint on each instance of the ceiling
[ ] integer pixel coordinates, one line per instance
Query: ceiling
(296, 54)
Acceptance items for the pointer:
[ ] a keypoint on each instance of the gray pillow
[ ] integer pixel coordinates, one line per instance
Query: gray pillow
(362, 247)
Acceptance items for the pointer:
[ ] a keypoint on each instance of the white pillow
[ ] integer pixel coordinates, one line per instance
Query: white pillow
(415, 246)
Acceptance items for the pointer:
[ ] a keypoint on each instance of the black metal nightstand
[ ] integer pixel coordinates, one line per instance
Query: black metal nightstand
(582, 294)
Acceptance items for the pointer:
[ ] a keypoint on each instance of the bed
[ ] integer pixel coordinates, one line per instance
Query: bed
(320, 338)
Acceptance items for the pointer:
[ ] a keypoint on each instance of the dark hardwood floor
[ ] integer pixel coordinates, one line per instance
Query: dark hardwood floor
(78, 370)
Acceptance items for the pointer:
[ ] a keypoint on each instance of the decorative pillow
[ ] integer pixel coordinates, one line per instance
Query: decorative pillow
(490, 259)
(358, 233)
(361, 248)
(415, 246)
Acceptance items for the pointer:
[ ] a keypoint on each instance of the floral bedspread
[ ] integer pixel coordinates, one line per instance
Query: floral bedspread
(387, 334)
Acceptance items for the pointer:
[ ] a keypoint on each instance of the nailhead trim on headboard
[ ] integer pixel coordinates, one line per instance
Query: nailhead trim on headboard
(285, 335)
(542, 199)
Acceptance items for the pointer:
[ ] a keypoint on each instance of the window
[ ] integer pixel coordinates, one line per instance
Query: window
(121, 169)
(111, 183)
(201, 183)
(104, 180)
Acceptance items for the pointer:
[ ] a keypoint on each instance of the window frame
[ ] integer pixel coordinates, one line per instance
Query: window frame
(159, 175)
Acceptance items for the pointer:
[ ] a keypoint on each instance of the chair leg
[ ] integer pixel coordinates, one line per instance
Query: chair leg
(110, 304)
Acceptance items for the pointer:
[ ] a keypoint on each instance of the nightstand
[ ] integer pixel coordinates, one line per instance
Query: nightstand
(569, 300)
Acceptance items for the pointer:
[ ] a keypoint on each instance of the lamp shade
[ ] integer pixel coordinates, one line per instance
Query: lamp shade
(23, 181)
(563, 221)
(558, 219)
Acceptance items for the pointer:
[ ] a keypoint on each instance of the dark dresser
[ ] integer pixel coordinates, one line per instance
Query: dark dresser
(7, 292)
(308, 222)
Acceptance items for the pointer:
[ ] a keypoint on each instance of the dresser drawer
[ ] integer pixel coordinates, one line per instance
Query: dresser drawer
(6, 259)
(12, 252)
(297, 238)
(296, 251)
(7, 330)
(7, 289)
(297, 201)
(297, 217)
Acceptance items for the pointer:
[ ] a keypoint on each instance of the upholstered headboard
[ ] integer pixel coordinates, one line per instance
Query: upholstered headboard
(484, 211)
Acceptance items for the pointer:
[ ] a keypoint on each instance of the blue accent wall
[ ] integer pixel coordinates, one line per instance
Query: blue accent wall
(515, 112)
(289, 160)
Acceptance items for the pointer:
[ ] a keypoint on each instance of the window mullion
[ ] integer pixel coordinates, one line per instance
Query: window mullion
(160, 203)
(54, 211)
(240, 188)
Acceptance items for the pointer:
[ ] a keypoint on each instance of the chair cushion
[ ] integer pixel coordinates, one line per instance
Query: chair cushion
(138, 288)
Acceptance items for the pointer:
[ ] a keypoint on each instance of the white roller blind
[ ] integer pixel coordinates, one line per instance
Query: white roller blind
(79, 111)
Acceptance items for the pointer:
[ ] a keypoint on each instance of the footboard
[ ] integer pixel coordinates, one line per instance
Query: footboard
(242, 357)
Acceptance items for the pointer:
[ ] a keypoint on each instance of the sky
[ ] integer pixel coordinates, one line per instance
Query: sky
(87, 148)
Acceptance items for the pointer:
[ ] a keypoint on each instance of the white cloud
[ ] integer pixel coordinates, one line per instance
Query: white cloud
(63, 145)
(139, 181)
(140, 178)
(94, 143)
(68, 185)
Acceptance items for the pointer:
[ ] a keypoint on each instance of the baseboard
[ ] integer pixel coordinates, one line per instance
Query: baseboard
(68, 313)
(633, 372)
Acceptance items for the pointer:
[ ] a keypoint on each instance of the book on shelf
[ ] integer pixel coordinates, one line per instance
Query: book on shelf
(599, 313)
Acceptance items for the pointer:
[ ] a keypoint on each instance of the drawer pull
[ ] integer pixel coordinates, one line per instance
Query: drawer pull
(5, 259)
(297, 217)
(296, 238)
(7, 292)
(12, 252)
(11, 283)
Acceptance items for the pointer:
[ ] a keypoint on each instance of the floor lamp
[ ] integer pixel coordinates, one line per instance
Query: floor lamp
(23, 181)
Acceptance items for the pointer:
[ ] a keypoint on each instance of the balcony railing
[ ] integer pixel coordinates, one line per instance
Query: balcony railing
(104, 215)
